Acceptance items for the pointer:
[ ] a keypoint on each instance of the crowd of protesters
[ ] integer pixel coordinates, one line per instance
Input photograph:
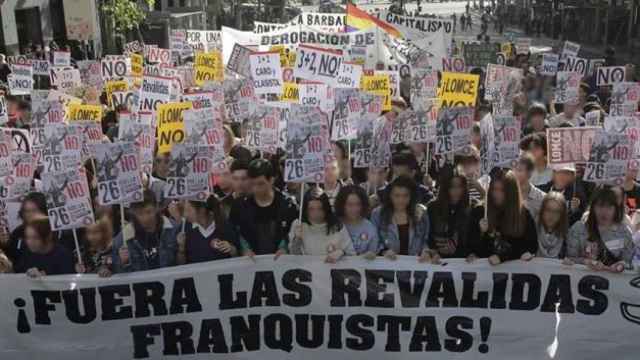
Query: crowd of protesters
(421, 205)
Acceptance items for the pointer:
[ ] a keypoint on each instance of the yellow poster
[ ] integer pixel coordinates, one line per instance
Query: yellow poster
(290, 93)
(208, 67)
(171, 124)
(378, 85)
(458, 89)
(113, 86)
(137, 65)
(79, 112)
(506, 49)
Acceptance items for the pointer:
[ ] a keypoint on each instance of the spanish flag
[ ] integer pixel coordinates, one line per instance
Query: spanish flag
(358, 19)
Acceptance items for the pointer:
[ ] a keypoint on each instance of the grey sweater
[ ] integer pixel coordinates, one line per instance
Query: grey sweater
(617, 239)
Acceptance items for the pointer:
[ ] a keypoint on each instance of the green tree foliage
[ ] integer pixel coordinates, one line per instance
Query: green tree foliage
(126, 14)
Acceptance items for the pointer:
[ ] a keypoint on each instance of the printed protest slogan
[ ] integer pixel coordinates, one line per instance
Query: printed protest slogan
(569, 145)
(68, 199)
(171, 125)
(299, 307)
(379, 85)
(208, 67)
(458, 89)
(118, 173)
(307, 145)
(189, 168)
(370, 107)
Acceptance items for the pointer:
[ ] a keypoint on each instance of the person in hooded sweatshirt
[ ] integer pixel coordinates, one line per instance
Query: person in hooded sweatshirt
(320, 232)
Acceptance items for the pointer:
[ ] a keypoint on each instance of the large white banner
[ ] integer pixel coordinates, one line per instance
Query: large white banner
(300, 307)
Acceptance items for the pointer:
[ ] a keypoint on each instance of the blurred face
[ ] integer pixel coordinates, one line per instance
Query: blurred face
(331, 172)
(522, 174)
(476, 139)
(570, 109)
(400, 198)
(95, 236)
(315, 213)
(376, 176)
(337, 151)
(146, 217)
(537, 122)
(161, 165)
(552, 214)
(605, 214)
(261, 186)
(353, 207)
(240, 181)
(497, 193)
(537, 152)
(34, 242)
(190, 213)
(471, 169)
(631, 174)
(562, 179)
(224, 181)
(30, 210)
(456, 191)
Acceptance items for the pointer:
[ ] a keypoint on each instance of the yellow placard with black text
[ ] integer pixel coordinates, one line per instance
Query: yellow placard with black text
(137, 65)
(114, 86)
(458, 89)
(379, 85)
(290, 93)
(80, 112)
(208, 67)
(171, 124)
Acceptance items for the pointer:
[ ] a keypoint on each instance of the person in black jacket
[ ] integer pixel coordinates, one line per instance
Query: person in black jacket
(508, 232)
(263, 218)
(207, 236)
(566, 182)
(33, 205)
(45, 256)
(450, 217)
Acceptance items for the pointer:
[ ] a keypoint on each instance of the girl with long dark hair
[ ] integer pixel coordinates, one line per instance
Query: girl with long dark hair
(320, 232)
(45, 255)
(450, 216)
(33, 205)
(207, 236)
(601, 241)
(402, 223)
(352, 208)
(508, 232)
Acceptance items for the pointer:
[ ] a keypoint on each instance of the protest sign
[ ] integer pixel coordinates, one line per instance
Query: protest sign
(91, 72)
(118, 173)
(317, 64)
(4, 114)
(62, 147)
(624, 97)
(65, 78)
(506, 140)
(609, 75)
(608, 158)
(137, 65)
(424, 84)
(453, 129)
(204, 40)
(567, 87)
(549, 65)
(202, 129)
(266, 72)
(40, 67)
(348, 76)
(408, 128)
(158, 55)
(370, 108)
(239, 99)
(594, 64)
(506, 48)
(68, 199)
(328, 22)
(80, 112)
(262, 129)
(189, 168)
(570, 49)
(281, 307)
(142, 134)
(113, 86)
(208, 67)
(458, 89)
(114, 67)
(379, 85)
(61, 58)
(381, 142)
(133, 47)
(155, 90)
(487, 144)
(21, 79)
(569, 145)
(290, 93)
(307, 145)
(239, 60)
(19, 180)
(171, 125)
(480, 54)
(455, 64)
(576, 64)
(523, 45)
(502, 82)
(347, 110)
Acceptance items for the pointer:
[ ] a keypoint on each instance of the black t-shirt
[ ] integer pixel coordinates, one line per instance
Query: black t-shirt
(403, 236)
(266, 229)
(57, 262)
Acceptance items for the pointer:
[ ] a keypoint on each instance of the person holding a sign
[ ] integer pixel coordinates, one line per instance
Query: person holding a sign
(508, 230)
(44, 256)
(207, 236)
(451, 216)
(402, 222)
(99, 257)
(601, 241)
(263, 218)
(565, 181)
(33, 205)
(148, 242)
(320, 232)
